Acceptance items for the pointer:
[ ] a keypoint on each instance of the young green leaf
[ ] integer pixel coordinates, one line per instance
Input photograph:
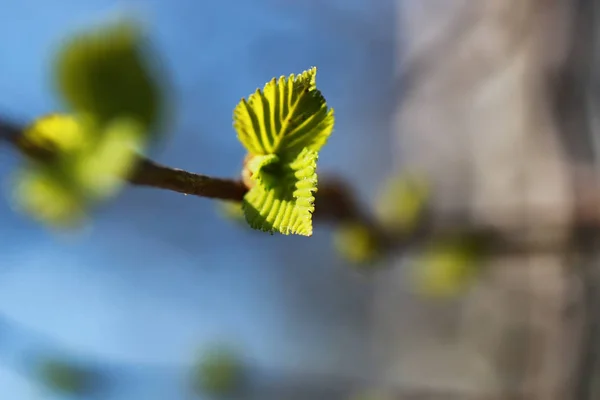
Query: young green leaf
(104, 72)
(288, 115)
(283, 127)
(286, 205)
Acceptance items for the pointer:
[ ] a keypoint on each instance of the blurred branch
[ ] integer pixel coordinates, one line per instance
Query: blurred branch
(336, 202)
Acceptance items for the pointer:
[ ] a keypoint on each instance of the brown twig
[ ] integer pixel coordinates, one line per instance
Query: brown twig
(335, 202)
(334, 199)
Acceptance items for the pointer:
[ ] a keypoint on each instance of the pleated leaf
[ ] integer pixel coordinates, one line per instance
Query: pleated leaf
(286, 207)
(288, 115)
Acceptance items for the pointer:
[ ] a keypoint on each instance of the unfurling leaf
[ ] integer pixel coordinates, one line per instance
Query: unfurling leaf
(288, 115)
(356, 243)
(105, 72)
(283, 127)
(448, 266)
(402, 202)
(263, 169)
(287, 205)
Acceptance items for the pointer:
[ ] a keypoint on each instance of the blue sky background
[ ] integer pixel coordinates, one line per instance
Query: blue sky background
(160, 274)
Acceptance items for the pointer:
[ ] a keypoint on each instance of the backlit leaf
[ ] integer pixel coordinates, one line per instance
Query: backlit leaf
(85, 167)
(288, 115)
(287, 205)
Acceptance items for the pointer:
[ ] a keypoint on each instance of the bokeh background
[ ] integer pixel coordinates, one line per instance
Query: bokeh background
(494, 103)
(160, 276)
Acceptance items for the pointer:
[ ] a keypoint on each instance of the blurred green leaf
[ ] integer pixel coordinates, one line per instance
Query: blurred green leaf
(106, 72)
(48, 198)
(355, 243)
(86, 167)
(448, 266)
(64, 377)
(401, 202)
(218, 372)
(102, 170)
(231, 210)
(54, 135)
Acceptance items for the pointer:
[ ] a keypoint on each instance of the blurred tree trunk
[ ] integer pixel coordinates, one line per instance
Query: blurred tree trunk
(494, 108)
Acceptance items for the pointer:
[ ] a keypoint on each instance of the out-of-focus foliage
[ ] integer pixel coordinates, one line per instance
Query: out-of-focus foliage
(231, 210)
(283, 127)
(87, 165)
(370, 395)
(105, 72)
(447, 267)
(79, 160)
(65, 378)
(218, 372)
(401, 202)
(355, 243)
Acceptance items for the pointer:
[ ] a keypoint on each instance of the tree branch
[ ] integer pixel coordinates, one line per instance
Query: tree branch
(159, 176)
(334, 198)
(335, 202)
